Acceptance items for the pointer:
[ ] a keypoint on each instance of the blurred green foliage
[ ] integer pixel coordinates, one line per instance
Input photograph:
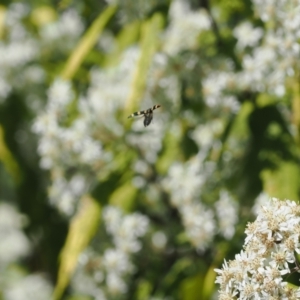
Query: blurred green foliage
(265, 150)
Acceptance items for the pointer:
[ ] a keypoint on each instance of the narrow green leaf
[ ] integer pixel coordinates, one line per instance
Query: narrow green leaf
(82, 229)
(124, 196)
(171, 152)
(177, 269)
(143, 290)
(8, 160)
(2, 20)
(87, 43)
(296, 107)
(191, 288)
(149, 43)
(127, 36)
(209, 283)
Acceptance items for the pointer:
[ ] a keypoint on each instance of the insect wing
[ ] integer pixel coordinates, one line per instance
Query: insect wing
(148, 119)
(137, 114)
(156, 106)
(147, 114)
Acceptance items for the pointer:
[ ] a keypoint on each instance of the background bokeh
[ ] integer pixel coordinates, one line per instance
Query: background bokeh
(93, 205)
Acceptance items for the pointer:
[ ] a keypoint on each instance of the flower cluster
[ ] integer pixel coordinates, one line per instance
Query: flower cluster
(16, 52)
(60, 146)
(184, 183)
(182, 21)
(63, 33)
(279, 43)
(269, 254)
(79, 145)
(15, 246)
(114, 265)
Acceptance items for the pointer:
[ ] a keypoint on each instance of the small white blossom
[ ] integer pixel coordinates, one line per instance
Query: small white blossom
(185, 27)
(14, 243)
(159, 239)
(227, 213)
(63, 32)
(116, 261)
(59, 94)
(269, 254)
(247, 35)
(113, 217)
(28, 288)
(115, 284)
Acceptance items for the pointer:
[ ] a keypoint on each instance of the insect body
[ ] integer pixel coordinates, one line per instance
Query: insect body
(148, 114)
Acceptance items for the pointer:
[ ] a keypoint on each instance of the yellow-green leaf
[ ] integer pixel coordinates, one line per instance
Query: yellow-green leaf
(191, 288)
(8, 160)
(2, 19)
(149, 43)
(282, 183)
(143, 290)
(87, 42)
(127, 36)
(124, 196)
(170, 153)
(82, 229)
(43, 15)
(209, 283)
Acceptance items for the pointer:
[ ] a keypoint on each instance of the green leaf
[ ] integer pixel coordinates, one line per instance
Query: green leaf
(124, 196)
(282, 183)
(149, 44)
(170, 153)
(8, 160)
(43, 15)
(209, 283)
(82, 229)
(87, 43)
(127, 36)
(2, 19)
(143, 290)
(191, 288)
(177, 269)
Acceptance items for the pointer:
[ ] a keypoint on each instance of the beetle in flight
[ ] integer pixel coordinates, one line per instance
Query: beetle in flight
(148, 114)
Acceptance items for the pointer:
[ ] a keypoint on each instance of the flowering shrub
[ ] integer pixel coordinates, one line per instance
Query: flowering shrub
(269, 254)
(130, 212)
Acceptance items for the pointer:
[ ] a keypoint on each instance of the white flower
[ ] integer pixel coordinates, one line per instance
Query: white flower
(247, 35)
(116, 261)
(112, 217)
(5, 88)
(261, 200)
(184, 181)
(214, 87)
(135, 225)
(204, 135)
(18, 53)
(59, 94)
(63, 32)
(82, 282)
(10, 217)
(268, 255)
(185, 27)
(115, 284)
(127, 244)
(159, 239)
(14, 243)
(199, 224)
(227, 212)
(30, 287)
